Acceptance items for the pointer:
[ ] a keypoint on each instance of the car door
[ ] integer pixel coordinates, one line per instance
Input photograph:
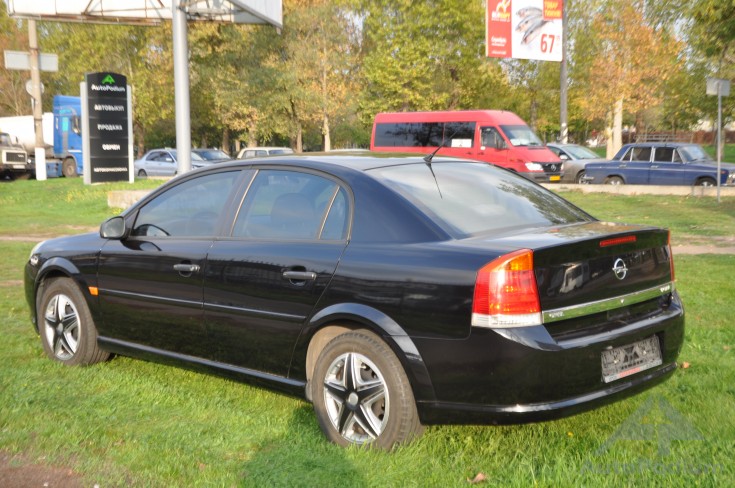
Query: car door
(263, 281)
(161, 163)
(635, 165)
(150, 283)
(493, 147)
(666, 168)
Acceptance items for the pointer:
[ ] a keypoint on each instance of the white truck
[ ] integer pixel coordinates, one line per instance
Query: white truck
(13, 158)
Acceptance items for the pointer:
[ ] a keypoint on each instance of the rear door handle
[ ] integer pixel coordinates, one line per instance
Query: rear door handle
(186, 269)
(299, 275)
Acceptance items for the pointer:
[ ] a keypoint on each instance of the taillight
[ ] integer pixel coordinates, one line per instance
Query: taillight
(671, 259)
(506, 294)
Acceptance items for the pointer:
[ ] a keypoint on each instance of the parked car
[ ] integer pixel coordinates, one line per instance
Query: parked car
(162, 162)
(256, 152)
(574, 158)
(212, 155)
(663, 163)
(391, 292)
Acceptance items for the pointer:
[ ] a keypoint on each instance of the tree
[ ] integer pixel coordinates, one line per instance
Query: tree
(427, 56)
(143, 54)
(630, 63)
(14, 37)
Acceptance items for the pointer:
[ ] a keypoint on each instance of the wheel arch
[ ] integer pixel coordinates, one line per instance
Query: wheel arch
(338, 319)
(55, 268)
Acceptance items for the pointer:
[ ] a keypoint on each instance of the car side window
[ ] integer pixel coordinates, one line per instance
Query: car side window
(641, 154)
(664, 154)
(491, 137)
(292, 205)
(190, 209)
(677, 157)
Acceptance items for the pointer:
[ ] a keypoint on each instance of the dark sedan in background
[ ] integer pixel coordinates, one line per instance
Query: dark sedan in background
(662, 163)
(574, 158)
(391, 292)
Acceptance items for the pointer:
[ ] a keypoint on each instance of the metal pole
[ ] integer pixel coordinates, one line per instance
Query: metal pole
(719, 136)
(40, 153)
(563, 136)
(181, 87)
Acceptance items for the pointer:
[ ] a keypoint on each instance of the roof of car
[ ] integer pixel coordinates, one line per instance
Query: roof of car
(660, 144)
(359, 160)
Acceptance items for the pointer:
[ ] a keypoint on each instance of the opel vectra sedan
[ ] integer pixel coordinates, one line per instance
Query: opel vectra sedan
(391, 292)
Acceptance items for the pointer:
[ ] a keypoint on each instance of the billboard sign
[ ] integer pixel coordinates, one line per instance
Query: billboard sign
(524, 29)
(108, 118)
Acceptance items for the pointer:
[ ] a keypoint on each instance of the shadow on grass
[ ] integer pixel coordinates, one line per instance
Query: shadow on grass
(302, 457)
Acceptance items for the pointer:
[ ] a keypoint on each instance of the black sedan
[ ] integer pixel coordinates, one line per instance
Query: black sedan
(391, 292)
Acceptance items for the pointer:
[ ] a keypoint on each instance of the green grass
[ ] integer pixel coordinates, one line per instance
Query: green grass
(692, 220)
(132, 423)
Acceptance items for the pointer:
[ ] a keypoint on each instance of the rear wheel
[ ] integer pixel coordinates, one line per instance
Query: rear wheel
(361, 394)
(67, 330)
(69, 168)
(706, 182)
(579, 179)
(142, 173)
(614, 180)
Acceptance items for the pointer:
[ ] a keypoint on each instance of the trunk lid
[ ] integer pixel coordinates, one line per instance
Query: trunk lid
(595, 262)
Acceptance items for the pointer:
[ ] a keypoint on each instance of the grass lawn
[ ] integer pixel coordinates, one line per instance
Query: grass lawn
(132, 423)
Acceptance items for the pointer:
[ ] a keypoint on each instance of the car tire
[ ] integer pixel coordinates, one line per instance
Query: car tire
(374, 408)
(69, 168)
(68, 333)
(614, 180)
(142, 173)
(579, 179)
(706, 182)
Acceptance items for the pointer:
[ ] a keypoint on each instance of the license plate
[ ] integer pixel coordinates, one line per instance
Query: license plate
(554, 178)
(19, 166)
(627, 360)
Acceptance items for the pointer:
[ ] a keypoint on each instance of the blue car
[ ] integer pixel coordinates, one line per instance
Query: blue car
(662, 163)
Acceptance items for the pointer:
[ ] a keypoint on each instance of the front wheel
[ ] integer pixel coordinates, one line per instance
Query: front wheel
(67, 330)
(614, 180)
(69, 168)
(361, 394)
(580, 178)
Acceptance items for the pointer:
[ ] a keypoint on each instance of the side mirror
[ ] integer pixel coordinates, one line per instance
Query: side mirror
(563, 157)
(113, 228)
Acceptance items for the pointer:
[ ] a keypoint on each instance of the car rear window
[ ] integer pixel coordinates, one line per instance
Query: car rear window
(468, 199)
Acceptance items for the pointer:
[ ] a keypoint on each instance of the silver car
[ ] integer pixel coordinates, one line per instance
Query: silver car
(162, 162)
(575, 157)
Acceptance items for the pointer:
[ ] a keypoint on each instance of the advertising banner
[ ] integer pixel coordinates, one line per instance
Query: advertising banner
(108, 130)
(524, 29)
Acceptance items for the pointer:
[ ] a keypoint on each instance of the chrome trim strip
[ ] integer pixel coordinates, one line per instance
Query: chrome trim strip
(574, 311)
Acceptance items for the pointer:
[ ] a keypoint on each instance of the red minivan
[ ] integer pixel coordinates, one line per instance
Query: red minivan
(495, 136)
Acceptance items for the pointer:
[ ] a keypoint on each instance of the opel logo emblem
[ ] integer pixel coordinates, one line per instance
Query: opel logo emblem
(553, 167)
(620, 269)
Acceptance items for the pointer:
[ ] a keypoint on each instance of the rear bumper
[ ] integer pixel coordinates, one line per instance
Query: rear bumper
(468, 413)
(530, 374)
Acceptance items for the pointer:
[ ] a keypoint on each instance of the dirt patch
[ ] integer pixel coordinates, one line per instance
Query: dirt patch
(19, 472)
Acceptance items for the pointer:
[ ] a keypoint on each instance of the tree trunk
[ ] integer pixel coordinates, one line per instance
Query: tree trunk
(226, 140)
(299, 139)
(617, 127)
(325, 134)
